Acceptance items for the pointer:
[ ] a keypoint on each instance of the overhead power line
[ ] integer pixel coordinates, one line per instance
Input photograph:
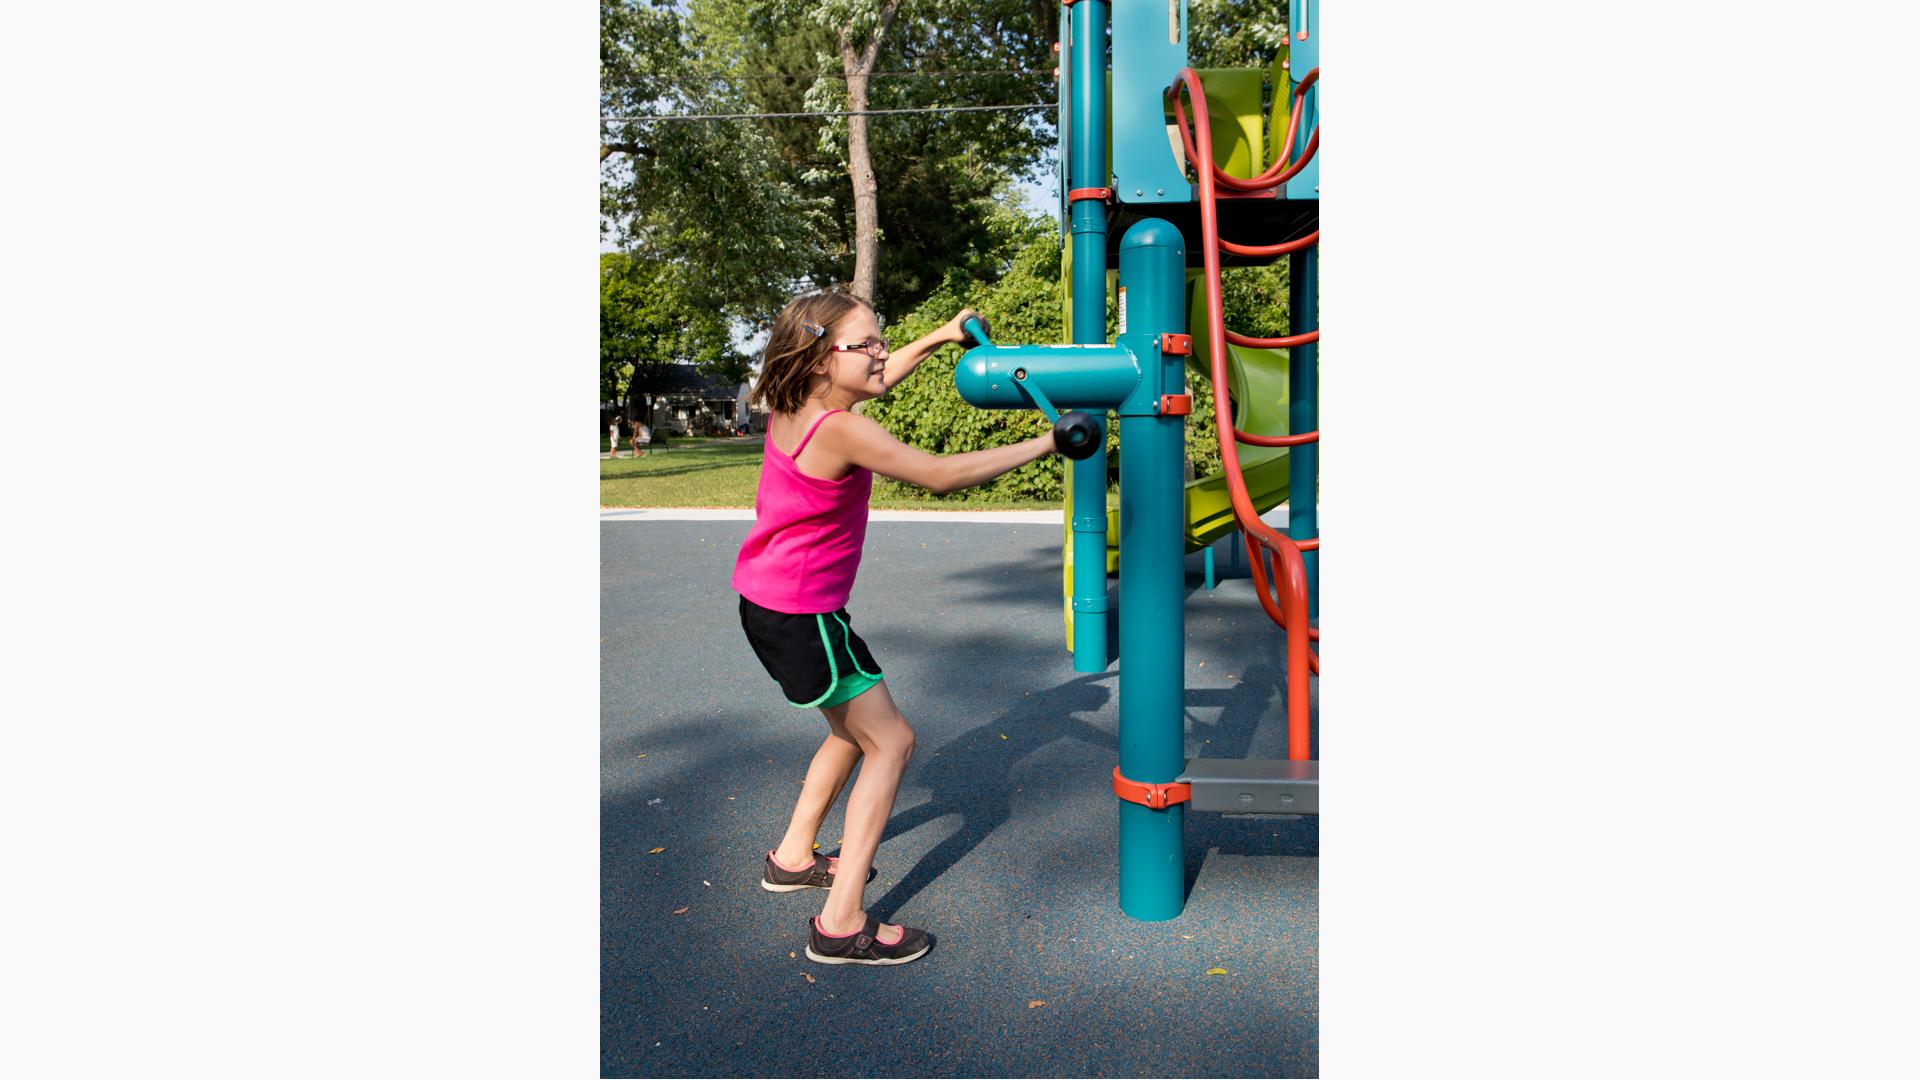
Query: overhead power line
(1036, 73)
(782, 115)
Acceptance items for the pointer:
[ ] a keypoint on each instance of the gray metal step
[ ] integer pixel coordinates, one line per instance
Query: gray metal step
(1253, 785)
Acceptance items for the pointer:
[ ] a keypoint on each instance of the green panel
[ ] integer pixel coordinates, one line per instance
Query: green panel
(1066, 287)
(1258, 380)
(1234, 115)
(1282, 81)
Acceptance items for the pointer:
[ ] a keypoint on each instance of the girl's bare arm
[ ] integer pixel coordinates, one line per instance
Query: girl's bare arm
(865, 443)
(900, 364)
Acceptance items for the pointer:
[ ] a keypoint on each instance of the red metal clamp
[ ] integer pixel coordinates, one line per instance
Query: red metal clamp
(1176, 404)
(1100, 193)
(1151, 796)
(1176, 344)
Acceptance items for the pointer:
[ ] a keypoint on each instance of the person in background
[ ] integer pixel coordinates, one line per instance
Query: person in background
(613, 438)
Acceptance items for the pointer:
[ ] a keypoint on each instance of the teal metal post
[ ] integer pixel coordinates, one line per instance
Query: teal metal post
(1152, 574)
(1303, 390)
(1303, 54)
(1303, 302)
(1087, 168)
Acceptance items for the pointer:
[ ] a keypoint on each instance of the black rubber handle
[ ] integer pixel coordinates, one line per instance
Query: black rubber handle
(975, 333)
(1076, 435)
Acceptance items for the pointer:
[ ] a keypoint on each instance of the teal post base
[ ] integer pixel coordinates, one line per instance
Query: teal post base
(1153, 875)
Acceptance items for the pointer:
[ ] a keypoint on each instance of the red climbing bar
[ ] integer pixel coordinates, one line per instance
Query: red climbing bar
(1289, 610)
(1301, 439)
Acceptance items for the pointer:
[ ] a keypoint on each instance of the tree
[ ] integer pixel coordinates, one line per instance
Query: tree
(1008, 35)
(693, 192)
(758, 209)
(859, 32)
(1235, 33)
(648, 321)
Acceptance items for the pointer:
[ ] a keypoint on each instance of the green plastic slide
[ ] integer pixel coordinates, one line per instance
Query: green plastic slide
(1257, 379)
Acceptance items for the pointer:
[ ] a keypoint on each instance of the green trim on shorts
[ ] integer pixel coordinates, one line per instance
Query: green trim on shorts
(851, 687)
(846, 635)
(833, 669)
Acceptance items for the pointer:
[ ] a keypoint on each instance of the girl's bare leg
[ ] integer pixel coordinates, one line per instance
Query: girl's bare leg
(832, 764)
(884, 736)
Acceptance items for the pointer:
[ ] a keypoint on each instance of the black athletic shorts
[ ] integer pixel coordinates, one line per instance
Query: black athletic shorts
(818, 660)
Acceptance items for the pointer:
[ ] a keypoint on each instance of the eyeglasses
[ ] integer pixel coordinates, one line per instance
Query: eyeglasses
(871, 348)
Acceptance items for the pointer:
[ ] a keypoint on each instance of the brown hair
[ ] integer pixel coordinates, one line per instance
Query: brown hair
(799, 341)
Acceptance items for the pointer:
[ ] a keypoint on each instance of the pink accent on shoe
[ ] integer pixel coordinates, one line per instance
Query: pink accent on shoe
(775, 856)
(901, 933)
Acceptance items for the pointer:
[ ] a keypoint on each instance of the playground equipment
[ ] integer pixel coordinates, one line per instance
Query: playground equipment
(1252, 199)
(1075, 435)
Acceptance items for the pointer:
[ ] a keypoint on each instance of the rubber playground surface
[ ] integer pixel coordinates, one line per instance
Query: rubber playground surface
(1002, 842)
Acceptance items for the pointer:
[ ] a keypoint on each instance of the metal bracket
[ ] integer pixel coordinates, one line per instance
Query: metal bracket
(1090, 603)
(1151, 796)
(1088, 523)
(1176, 404)
(1098, 194)
(1253, 785)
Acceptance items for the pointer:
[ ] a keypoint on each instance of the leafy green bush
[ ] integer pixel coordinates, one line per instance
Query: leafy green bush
(1024, 305)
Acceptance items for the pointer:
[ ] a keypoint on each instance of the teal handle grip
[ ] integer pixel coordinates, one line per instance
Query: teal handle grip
(974, 332)
(1031, 388)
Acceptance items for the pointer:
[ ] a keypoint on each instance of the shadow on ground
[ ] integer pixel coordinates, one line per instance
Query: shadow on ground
(1001, 843)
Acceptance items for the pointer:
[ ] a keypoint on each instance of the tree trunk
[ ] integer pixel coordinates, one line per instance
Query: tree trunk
(858, 65)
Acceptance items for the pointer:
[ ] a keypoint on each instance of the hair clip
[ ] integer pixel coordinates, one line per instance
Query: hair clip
(814, 328)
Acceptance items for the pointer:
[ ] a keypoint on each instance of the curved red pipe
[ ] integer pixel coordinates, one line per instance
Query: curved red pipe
(1291, 612)
(1287, 342)
(1301, 439)
(1276, 174)
(1259, 250)
(1261, 572)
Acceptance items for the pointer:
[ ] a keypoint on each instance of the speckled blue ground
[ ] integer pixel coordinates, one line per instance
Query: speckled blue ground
(1002, 848)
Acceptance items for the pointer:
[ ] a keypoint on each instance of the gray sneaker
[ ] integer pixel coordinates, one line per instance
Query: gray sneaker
(865, 947)
(777, 878)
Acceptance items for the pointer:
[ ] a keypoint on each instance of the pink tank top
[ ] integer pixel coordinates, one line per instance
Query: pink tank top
(801, 554)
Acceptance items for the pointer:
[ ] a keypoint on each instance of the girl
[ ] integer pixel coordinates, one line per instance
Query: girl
(795, 572)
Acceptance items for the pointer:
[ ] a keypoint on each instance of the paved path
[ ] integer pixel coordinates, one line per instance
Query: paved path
(1002, 842)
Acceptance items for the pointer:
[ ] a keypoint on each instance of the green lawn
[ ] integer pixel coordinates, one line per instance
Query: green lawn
(724, 472)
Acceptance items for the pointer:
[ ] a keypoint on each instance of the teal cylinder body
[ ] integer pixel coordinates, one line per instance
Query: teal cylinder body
(1087, 168)
(1152, 575)
(1303, 406)
(1070, 376)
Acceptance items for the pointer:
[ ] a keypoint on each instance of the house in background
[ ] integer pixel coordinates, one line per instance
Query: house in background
(742, 410)
(686, 402)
